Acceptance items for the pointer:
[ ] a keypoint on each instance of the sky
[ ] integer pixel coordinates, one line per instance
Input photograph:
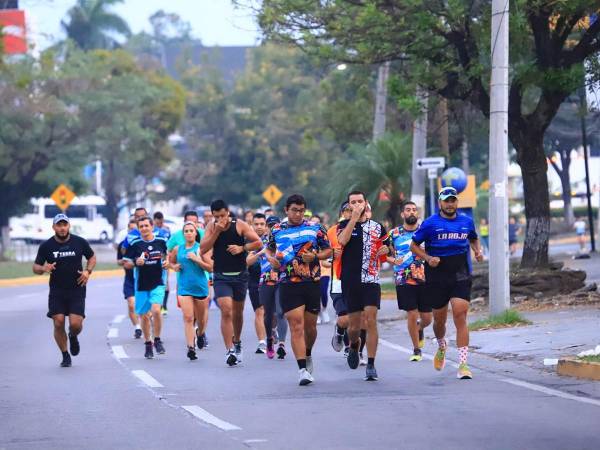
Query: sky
(215, 22)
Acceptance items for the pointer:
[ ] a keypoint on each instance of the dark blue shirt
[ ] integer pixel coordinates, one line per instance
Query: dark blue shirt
(446, 237)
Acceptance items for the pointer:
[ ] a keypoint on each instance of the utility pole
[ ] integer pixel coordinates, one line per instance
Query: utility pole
(419, 150)
(583, 112)
(381, 101)
(499, 269)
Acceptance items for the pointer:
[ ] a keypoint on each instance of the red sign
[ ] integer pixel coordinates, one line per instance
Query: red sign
(12, 23)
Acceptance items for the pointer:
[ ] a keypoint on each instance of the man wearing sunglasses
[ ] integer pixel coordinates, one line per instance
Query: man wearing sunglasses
(448, 237)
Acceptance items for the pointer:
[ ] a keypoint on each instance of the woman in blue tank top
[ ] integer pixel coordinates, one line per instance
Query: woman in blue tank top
(192, 283)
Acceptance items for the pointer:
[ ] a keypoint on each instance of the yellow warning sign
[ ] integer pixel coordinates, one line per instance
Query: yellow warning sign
(63, 196)
(272, 195)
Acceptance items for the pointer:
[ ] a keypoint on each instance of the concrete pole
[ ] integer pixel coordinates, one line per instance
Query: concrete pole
(498, 161)
(419, 150)
(381, 101)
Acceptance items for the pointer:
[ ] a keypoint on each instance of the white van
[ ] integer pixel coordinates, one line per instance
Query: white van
(86, 213)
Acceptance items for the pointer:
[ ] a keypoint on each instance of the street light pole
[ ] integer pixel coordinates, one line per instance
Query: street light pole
(419, 150)
(583, 103)
(499, 282)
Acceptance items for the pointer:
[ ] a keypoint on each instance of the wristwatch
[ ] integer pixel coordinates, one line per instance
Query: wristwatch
(88, 271)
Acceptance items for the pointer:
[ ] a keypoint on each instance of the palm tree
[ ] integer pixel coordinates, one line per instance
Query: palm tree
(91, 24)
(381, 169)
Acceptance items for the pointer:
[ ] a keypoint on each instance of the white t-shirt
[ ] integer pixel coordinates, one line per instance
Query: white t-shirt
(579, 227)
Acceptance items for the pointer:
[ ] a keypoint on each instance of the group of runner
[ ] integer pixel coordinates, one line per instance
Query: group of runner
(286, 265)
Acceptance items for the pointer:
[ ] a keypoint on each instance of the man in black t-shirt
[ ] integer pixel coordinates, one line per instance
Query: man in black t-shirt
(364, 242)
(60, 256)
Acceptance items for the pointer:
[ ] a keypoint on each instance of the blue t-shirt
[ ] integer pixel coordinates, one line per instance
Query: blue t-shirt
(192, 279)
(134, 235)
(412, 270)
(446, 237)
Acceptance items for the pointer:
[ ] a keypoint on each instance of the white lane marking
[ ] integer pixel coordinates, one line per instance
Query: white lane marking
(118, 318)
(410, 352)
(31, 294)
(207, 417)
(549, 391)
(513, 381)
(113, 333)
(119, 352)
(255, 441)
(146, 378)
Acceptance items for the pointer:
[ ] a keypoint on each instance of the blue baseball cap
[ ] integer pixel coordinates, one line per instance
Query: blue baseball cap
(448, 192)
(60, 218)
(272, 220)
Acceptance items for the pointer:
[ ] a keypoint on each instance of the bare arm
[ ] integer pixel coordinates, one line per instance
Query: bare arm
(253, 242)
(476, 247)
(419, 251)
(210, 237)
(44, 268)
(325, 253)
(253, 257)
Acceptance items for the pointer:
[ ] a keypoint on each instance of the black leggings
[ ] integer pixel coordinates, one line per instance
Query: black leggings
(269, 299)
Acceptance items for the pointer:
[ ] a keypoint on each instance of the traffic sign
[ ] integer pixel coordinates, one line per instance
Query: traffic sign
(432, 173)
(63, 196)
(436, 162)
(272, 195)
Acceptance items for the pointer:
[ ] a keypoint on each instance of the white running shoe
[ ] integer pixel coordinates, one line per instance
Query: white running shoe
(363, 360)
(325, 316)
(309, 364)
(304, 377)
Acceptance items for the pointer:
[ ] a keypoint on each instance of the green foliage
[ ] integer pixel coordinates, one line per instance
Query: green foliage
(509, 318)
(91, 24)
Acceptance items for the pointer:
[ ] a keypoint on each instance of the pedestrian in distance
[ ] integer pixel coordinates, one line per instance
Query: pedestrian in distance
(61, 257)
(229, 239)
(579, 226)
(448, 237)
(128, 283)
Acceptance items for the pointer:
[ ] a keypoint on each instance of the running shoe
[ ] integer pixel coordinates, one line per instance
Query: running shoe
(192, 354)
(353, 358)
(346, 351)
(66, 361)
(416, 356)
(206, 345)
(464, 373)
(149, 354)
(238, 351)
(230, 359)
(201, 340)
(270, 351)
(74, 344)
(325, 316)
(421, 338)
(363, 360)
(137, 333)
(337, 340)
(281, 351)
(164, 311)
(309, 364)
(304, 377)
(262, 348)
(275, 334)
(158, 345)
(371, 373)
(439, 360)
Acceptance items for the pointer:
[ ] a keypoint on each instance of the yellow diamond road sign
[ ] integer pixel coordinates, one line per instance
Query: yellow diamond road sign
(272, 195)
(63, 196)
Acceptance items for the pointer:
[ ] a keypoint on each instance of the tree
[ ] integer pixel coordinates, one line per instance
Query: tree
(37, 137)
(447, 46)
(379, 169)
(92, 25)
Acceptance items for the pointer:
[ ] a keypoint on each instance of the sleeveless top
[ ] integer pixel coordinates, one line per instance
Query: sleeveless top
(225, 262)
(192, 278)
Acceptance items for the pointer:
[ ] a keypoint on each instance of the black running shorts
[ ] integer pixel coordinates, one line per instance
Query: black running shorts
(358, 296)
(440, 293)
(339, 304)
(233, 286)
(305, 293)
(254, 297)
(411, 297)
(66, 301)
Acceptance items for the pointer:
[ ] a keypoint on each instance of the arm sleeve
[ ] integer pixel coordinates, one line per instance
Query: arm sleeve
(421, 234)
(40, 259)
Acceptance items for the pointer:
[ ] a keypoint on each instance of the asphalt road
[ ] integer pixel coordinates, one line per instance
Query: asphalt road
(101, 403)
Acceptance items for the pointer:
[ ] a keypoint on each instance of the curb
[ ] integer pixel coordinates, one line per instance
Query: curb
(580, 369)
(41, 279)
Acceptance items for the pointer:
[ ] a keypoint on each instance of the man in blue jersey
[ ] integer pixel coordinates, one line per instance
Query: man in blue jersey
(409, 275)
(128, 284)
(448, 236)
(299, 246)
(147, 254)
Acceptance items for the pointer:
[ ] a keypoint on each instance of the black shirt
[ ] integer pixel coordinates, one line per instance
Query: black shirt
(360, 263)
(150, 275)
(67, 256)
(225, 262)
(121, 250)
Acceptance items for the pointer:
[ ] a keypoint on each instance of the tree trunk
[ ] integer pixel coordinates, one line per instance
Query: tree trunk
(534, 168)
(112, 194)
(381, 101)
(464, 155)
(4, 237)
(443, 133)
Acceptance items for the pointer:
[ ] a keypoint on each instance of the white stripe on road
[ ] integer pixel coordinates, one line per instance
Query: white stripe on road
(119, 352)
(113, 333)
(549, 391)
(207, 417)
(118, 318)
(32, 294)
(146, 378)
(513, 381)
(255, 441)
(410, 352)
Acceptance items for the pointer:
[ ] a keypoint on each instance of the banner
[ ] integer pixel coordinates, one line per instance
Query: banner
(12, 23)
